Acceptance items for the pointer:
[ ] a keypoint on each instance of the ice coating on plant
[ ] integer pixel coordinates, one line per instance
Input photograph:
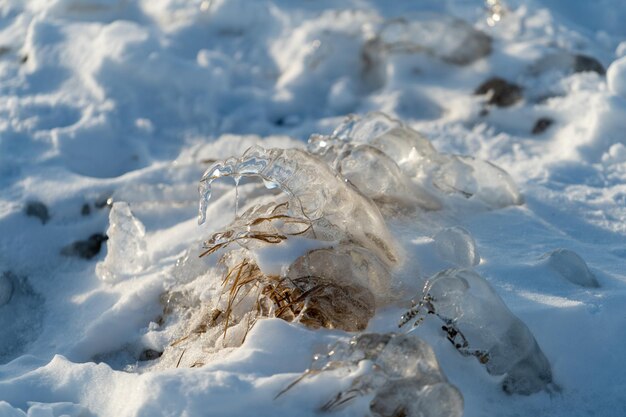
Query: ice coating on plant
(345, 264)
(456, 245)
(212, 313)
(316, 196)
(450, 39)
(400, 371)
(126, 236)
(421, 174)
(479, 324)
(572, 267)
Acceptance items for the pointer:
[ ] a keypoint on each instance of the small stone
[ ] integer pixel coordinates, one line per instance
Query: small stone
(39, 210)
(85, 210)
(501, 92)
(584, 63)
(85, 249)
(150, 355)
(103, 201)
(541, 125)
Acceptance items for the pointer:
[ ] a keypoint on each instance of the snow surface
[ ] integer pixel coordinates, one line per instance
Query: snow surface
(128, 100)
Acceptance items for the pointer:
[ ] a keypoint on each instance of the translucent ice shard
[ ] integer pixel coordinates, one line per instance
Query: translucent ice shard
(400, 371)
(455, 244)
(126, 247)
(317, 197)
(445, 37)
(407, 167)
(572, 267)
(478, 323)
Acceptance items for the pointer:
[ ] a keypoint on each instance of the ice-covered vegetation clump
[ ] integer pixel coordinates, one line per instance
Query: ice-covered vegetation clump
(319, 252)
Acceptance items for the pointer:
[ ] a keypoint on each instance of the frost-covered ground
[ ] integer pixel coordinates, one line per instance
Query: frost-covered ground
(130, 101)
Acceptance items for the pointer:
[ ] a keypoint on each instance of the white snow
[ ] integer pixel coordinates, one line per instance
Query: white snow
(133, 99)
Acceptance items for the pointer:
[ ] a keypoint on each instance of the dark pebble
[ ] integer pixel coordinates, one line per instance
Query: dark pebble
(150, 355)
(584, 63)
(85, 210)
(541, 125)
(39, 210)
(503, 93)
(85, 249)
(103, 201)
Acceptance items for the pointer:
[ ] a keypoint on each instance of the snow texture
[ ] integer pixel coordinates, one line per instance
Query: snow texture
(484, 138)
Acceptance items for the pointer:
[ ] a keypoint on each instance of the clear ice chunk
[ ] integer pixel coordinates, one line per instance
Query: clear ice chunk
(479, 324)
(445, 37)
(456, 245)
(126, 246)
(403, 376)
(572, 267)
(427, 175)
(316, 195)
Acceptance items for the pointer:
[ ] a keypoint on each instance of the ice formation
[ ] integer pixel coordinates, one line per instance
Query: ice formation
(456, 245)
(317, 196)
(337, 286)
(445, 37)
(569, 265)
(126, 236)
(401, 374)
(478, 323)
(378, 151)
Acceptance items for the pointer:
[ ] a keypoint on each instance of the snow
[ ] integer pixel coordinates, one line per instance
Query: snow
(119, 106)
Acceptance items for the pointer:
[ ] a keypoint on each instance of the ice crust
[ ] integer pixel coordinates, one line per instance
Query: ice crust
(478, 323)
(399, 371)
(389, 161)
(126, 236)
